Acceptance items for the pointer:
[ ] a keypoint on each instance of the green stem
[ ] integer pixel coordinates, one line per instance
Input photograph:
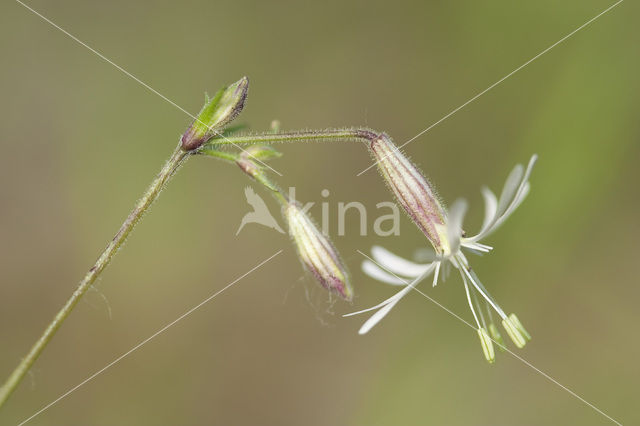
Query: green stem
(258, 174)
(211, 148)
(175, 161)
(363, 135)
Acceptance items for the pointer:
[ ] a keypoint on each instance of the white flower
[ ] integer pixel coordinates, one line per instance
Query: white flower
(449, 243)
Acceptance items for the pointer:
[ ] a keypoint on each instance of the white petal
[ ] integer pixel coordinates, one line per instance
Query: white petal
(375, 272)
(515, 190)
(393, 299)
(490, 208)
(523, 187)
(532, 162)
(396, 297)
(373, 308)
(454, 224)
(425, 255)
(375, 318)
(396, 264)
(518, 200)
(510, 188)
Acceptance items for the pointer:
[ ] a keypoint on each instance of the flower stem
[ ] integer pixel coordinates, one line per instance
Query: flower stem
(175, 161)
(363, 135)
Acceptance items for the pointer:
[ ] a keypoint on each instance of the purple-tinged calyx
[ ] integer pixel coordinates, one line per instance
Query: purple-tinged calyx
(317, 252)
(216, 113)
(412, 190)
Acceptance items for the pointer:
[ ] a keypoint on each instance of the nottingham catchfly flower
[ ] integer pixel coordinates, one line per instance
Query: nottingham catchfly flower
(443, 229)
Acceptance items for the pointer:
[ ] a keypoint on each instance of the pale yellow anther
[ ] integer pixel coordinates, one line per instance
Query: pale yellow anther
(514, 319)
(514, 333)
(496, 336)
(487, 345)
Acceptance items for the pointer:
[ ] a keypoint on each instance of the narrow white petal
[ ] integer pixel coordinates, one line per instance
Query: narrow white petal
(373, 308)
(523, 188)
(510, 188)
(396, 264)
(490, 208)
(516, 203)
(515, 191)
(532, 162)
(425, 255)
(375, 318)
(399, 295)
(393, 299)
(375, 272)
(454, 224)
(477, 247)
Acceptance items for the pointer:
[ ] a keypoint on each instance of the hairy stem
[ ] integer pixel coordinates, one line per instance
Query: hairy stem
(363, 135)
(175, 161)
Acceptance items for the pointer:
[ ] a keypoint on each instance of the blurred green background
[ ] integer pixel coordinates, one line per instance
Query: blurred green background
(80, 142)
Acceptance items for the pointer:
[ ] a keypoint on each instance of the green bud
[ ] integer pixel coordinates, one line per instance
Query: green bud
(216, 113)
(260, 152)
(254, 170)
(487, 345)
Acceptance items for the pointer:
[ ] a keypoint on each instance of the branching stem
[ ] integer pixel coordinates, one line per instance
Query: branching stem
(175, 161)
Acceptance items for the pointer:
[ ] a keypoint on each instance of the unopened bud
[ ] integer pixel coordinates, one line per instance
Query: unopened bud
(513, 332)
(249, 167)
(317, 253)
(411, 188)
(487, 345)
(261, 152)
(254, 170)
(216, 113)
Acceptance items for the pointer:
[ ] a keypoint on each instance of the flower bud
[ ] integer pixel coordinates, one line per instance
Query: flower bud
(254, 170)
(261, 152)
(317, 253)
(249, 167)
(216, 113)
(487, 345)
(412, 190)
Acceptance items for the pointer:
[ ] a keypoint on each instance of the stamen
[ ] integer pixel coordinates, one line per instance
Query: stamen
(496, 336)
(514, 333)
(473, 311)
(487, 345)
(480, 290)
(514, 319)
(477, 305)
(484, 247)
(436, 274)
